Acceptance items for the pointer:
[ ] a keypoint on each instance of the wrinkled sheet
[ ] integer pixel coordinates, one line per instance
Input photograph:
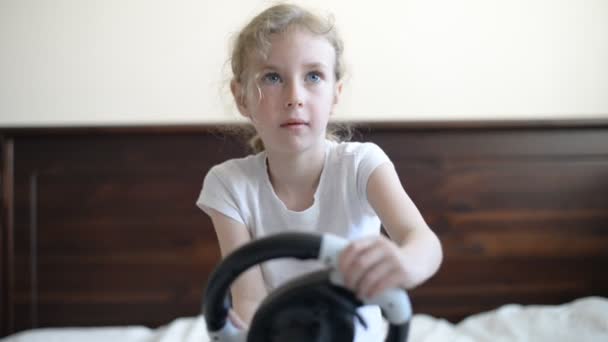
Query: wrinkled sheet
(583, 320)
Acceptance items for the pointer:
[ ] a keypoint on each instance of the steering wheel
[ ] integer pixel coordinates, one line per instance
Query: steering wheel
(312, 307)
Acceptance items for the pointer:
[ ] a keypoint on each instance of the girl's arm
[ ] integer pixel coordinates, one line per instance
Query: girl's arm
(373, 264)
(248, 290)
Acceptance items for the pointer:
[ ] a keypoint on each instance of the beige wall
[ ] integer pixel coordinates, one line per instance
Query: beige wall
(114, 62)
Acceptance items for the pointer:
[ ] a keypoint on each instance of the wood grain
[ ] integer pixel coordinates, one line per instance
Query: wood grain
(521, 210)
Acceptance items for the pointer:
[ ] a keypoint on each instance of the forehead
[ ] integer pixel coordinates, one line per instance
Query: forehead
(298, 47)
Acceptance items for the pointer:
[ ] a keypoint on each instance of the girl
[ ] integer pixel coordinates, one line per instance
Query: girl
(287, 77)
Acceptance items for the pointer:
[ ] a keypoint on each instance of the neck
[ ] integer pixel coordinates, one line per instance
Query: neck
(296, 174)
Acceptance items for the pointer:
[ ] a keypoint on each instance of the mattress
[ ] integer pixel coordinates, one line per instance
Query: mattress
(582, 320)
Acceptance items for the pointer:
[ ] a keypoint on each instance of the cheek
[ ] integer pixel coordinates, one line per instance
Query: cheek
(328, 99)
(257, 97)
(268, 95)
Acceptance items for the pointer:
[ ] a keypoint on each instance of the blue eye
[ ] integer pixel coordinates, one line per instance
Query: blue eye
(271, 78)
(314, 77)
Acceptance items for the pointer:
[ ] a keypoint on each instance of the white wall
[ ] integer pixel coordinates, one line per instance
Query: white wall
(124, 62)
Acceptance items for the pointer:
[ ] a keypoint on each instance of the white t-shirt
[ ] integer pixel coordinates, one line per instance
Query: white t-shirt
(241, 189)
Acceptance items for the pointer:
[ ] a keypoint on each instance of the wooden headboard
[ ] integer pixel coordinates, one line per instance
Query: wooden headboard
(99, 225)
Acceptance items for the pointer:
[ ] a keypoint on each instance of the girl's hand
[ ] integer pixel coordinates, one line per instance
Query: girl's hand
(236, 320)
(372, 265)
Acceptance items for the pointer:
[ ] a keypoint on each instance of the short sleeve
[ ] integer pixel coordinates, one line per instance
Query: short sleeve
(369, 157)
(217, 195)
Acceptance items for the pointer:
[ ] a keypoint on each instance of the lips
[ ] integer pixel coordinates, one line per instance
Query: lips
(293, 123)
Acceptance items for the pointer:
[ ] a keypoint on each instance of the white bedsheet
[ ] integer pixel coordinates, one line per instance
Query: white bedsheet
(583, 320)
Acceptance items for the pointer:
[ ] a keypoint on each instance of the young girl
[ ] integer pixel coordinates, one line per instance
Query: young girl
(287, 66)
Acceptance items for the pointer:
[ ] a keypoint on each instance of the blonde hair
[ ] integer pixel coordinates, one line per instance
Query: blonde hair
(255, 38)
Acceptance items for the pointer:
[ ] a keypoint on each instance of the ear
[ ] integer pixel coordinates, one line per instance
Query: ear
(238, 92)
(338, 92)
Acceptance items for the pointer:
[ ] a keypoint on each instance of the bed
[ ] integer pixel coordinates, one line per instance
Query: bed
(100, 234)
(583, 320)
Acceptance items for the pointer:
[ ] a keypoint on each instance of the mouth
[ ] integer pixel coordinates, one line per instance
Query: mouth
(294, 123)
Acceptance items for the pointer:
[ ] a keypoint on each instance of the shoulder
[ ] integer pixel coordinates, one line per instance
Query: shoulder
(357, 161)
(356, 151)
(238, 167)
(228, 186)
(238, 173)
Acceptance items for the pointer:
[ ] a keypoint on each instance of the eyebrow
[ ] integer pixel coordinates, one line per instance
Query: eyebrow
(310, 65)
(315, 65)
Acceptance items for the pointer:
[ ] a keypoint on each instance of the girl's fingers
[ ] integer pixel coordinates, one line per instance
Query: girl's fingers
(236, 320)
(378, 280)
(356, 265)
(371, 265)
(394, 280)
(359, 270)
(350, 253)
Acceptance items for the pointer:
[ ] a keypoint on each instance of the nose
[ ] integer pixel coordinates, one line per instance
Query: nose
(294, 95)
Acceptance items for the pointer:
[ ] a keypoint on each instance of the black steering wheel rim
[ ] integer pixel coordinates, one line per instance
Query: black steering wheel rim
(284, 245)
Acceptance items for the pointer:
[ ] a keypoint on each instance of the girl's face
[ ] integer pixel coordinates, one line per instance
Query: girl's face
(297, 92)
